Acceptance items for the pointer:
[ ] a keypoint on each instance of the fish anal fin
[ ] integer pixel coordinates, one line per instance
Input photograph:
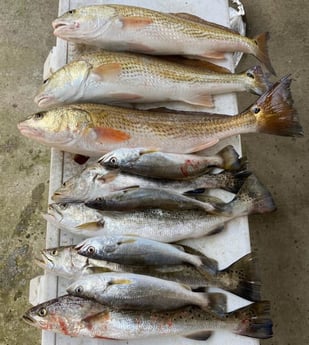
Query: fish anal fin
(110, 134)
(214, 55)
(109, 71)
(202, 335)
(135, 22)
(203, 146)
(204, 100)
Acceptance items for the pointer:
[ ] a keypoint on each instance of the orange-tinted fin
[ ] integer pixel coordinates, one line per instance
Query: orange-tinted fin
(109, 177)
(214, 55)
(135, 22)
(109, 71)
(80, 159)
(139, 47)
(204, 100)
(203, 146)
(110, 134)
(125, 96)
(262, 51)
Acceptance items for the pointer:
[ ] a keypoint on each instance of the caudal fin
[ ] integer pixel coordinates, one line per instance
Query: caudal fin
(274, 111)
(254, 320)
(255, 197)
(242, 278)
(217, 303)
(261, 51)
(230, 158)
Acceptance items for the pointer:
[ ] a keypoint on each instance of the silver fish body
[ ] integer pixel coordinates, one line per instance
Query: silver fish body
(151, 163)
(141, 292)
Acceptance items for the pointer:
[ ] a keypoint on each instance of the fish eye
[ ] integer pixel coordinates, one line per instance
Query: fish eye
(38, 116)
(54, 252)
(42, 312)
(71, 11)
(91, 250)
(63, 206)
(113, 160)
(250, 75)
(256, 110)
(79, 289)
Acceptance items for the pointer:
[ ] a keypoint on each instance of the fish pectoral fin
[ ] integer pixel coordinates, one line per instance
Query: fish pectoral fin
(91, 226)
(109, 177)
(110, 134)
(204, 100)
(92, 317)
(150, 150)
(140, 48)
(178, 246)
(214, 55)
(135, 22)
(120, 282)
(202, 335)
(215, 231)
(107, 72)
(203, 146)
(187, 287)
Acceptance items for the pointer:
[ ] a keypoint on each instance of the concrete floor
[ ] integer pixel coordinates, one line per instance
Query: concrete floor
(280, 240)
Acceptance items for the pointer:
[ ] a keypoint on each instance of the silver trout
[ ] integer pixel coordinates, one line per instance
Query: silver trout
(96, 181)
(151, 163)
(94, 129)
(141, 292)
(75, 316)
(241, 278)
(130, 28)
(157, 224)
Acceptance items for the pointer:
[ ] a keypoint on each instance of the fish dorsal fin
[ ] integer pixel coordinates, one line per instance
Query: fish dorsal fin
(91, 226)
(105, 134)
(203, 146)
(108, 72)
(202, 335)
(135, 22)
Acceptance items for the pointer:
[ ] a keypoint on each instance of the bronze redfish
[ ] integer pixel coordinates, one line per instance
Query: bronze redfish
(93, 129)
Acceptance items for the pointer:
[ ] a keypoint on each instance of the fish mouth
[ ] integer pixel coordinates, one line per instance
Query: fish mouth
(44, 261)
(44, 100)
(28, 319)
(60, 26)
(28, 131)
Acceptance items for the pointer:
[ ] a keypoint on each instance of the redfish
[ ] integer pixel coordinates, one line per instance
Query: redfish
(94, 129)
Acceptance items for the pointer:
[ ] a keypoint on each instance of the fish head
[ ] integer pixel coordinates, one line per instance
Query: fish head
(274, 111)
(64, 86)
(85, 186)
(83, 24)
(63, 261)
(83, 287)
(63, 314)
(116, 158)
(256, 80)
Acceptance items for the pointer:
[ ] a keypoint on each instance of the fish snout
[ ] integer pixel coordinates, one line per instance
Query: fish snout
(62, 26)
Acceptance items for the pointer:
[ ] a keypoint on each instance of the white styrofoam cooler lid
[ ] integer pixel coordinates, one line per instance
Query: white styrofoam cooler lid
(225, 247)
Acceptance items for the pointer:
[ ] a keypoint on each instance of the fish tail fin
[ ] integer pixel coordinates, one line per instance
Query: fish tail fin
(274, 111)
(238, 178)
(215, 302)
(257, 81)
(244, 277)
(254, 320)
(230, 158)
(208, 266)
(254, 197)
(261, 51)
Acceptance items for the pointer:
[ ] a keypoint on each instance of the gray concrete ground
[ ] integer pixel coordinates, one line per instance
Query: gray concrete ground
(280, 239)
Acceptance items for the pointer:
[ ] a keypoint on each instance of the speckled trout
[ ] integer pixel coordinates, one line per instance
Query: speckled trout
(129, 28)
(109, 77)
(76, 316)
(94, 129)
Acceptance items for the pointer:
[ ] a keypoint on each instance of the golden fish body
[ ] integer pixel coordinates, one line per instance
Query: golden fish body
(122, 77)
(129, 28)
